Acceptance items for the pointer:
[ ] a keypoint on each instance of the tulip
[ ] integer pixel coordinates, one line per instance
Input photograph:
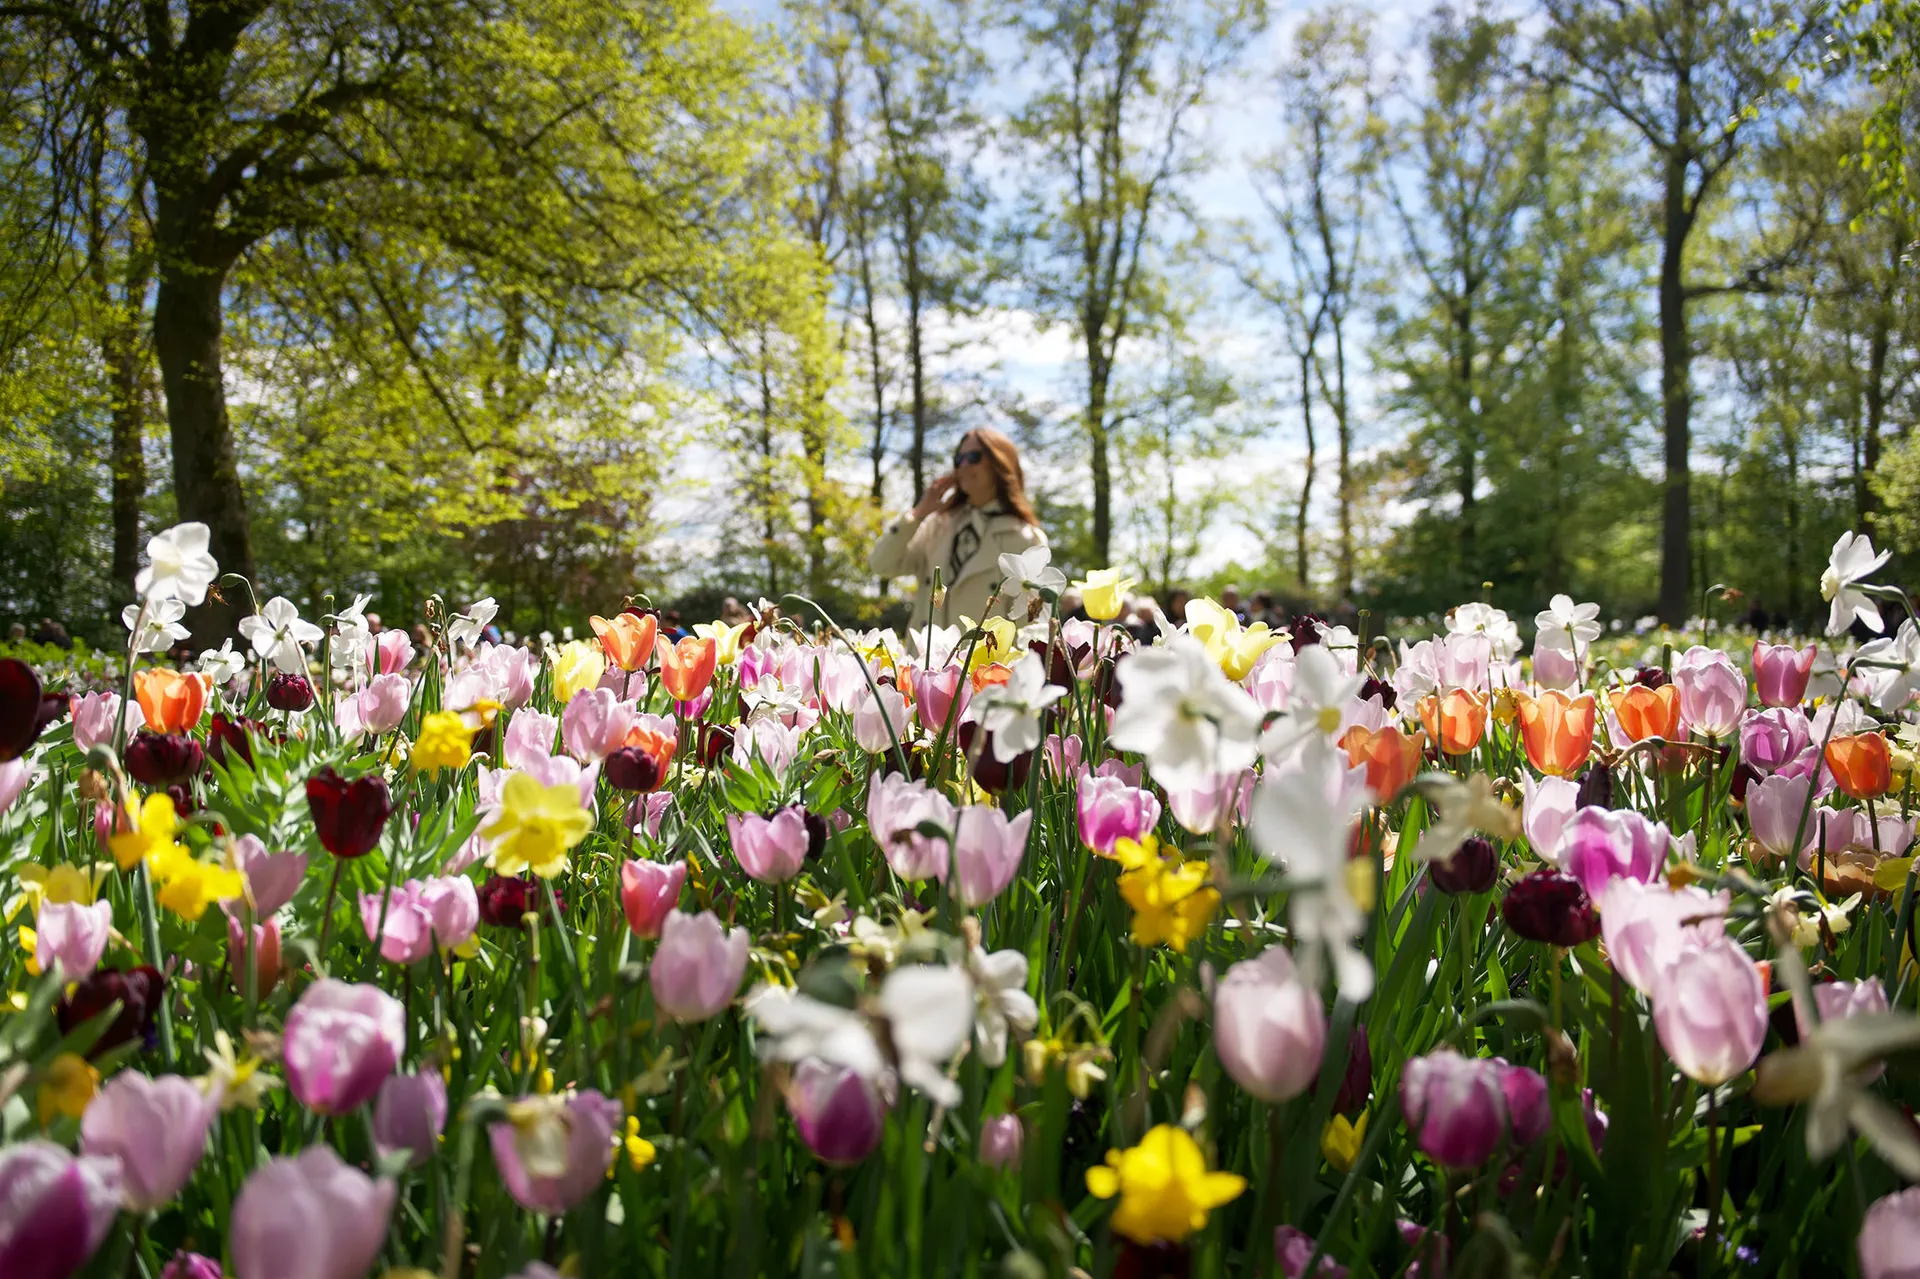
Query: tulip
(872, 715)
(399, 920)
(383, 703)
(272, 878)
(1063, 754)
(987, 850)
(934, 694)
(231, 739)
(409, 1114)
(627, 638)
(157, 1129)
(1550, 906)
(769, 849)
(1598, 844)
(170, 701)
(1473, 868)
(839, 1113)
(93, 716)
(390, 653)
(1861, 763)
(1001, 1139)
(649, 892)
(1555, 667)
(138, 991)
(1545, 806)
(1356, 1078)
(1455, 1105)
(311, 1216)
(895, 809)
(58, 1208)
(1269, 1026)
(529, 737)
(697, 969)
(505, 901)
(1774, 808)
(1713, 692)
(1557, 731)
(266, 954)
(648, 812)
(1293, 1250)
(1710, 1009)
(1889, 1242)
(288, 692)
(1780, 673)
(1390, 757)
(1644, 926)
(687, 668)
(454, 908)
(160, 759)
(348, 815)
(25, 710)
(341, 1042)
(14, 776)
(1529, 1112)
(993, 774)
(1210, 802)
(73, 935)
(1772, 738)
(1110, 809)
(1649, 712)
(191, 1265)
(635, 769)
(1456, 719)
(595, 724)
(554, 1151)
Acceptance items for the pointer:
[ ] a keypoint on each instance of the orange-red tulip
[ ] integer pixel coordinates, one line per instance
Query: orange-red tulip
(1862, 765)
(1457, 719)
(686, 668)
(658, 745)
(628, 640)
(171, 701)
(1649, 712)
(991, 673)
(1390, 757)
(1557, 731)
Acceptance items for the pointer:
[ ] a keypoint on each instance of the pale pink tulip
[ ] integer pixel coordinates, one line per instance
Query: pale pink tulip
(697, 968)
(311, 1216)
(1269, 1026)
(156, 1127)
(987, 848)
(769, 849)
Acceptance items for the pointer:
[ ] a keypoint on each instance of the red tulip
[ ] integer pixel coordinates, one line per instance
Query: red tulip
(349, 815)
(25, 711)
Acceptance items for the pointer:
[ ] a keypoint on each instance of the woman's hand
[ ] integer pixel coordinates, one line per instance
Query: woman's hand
(936, 495)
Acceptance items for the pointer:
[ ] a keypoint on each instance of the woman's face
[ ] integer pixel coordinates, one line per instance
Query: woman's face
(974, 472)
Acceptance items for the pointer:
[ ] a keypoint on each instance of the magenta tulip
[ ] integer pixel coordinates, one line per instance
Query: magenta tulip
(191, 1265)
(769, 849)
(933, 697)
(1599, 844)
(838, 1113)
(1529, 1112)
(157, 1129)
(649, 892)
(1710, 1009)
(556, 1150)
(311, 1216)
(1269, 1026)
(55, 1209)
(1001, 1139)
(409, 1114)
(1293, 1249)
(1713, 692)
(987, 850)
(1781, 672)
(341, 1042)
(697, 969)
(72, 935)
(401, 922)
(1455, 1106)
(1110, 809)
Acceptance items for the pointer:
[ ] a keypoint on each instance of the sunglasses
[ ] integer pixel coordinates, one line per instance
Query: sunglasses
(967, 457)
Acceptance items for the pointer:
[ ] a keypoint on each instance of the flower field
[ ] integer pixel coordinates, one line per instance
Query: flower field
(1017, 949)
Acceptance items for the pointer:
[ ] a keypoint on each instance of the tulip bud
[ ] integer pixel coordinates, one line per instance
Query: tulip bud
(632, 769)
(987, 851)
(1356, 1081)
(1710, 1009)
(409, 1114)
(1596, 788)
(1650, 677)
(715, 740)
(1001, 1139)
(230, 735)
(160, 759)
(138, 991)
(839, 1115)
(1455, 1106)
(1890, 1237)
(1269, 1027)
(769, 849)
(1550, 906)
(289, 692)
(1473, 868)
(343, 1216)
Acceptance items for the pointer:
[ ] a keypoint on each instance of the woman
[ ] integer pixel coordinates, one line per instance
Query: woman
(967, 519)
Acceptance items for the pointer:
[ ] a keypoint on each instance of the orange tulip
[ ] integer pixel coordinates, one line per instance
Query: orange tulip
(1557, 730)
(1649, 712)
(991, 673)
(1456, 719)
(171, 701)
(1862, 765)
(627, 639)
(658, 745)
(686, 668)
(1390, 757)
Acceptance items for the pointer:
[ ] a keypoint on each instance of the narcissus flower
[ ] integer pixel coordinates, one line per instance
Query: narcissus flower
(1851, 561)
(189, 885)
(687, 668)
(1171, 899)
(150, 832)
(536, 827)
(172, 702)
(445, 741)
(67, 1085)
(1104, 593)
(1164, 1187)
(1557, 731)
(627, 639)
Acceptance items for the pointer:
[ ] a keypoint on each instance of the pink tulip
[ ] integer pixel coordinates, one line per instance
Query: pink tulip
(1132, 774)
(1269, 1026)
(1555, 667)
(1644, 926)
(648, 811)
(766, 738)
(562, 770)
(895, 809)
(934, 693)
(595, 724)
(1838, 1000)
(401, 922)
(454, 907)
(839, 1114)
(871, 718)
(1063, 754)
(511, 672)
(1110, 809)
(73, 936)
(987, 849)
(1599, 844)
(697, 968)
(409, 1114)
(266, 955)
(341, 1042)
(1889, 1241)
(1293, 1249)
(191, 1265)
(1212, 802)
(1774, 808)
(1713, 692)
(1001, 1138)
(390, 653)
(649, 891)
(1710, 1009)
(1780, 673)
(769, 849)
(1529, 1113)
(553, 1181)
(1455, 1106)
(1545, 806)
(311, 1216)
(1773, 738)
(93, 715)
(14, 776)
(529, 737)
(1465, 660)
(157, 1129)
(383, 703)
(272, 878)
(57, 1208)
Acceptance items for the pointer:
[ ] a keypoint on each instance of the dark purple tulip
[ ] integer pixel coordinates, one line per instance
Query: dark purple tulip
(235, 735)
(994, 777)
(25, 711)
(1356, 1081)
(138, 992)
(1651, 676)
(1377, 687)
(1161, 1260)
(1550, 906)
(1473, 868)
(632, 769)
(161, 759)
(289, 692)
(505, 901)
(348, 815)
(1596, 788)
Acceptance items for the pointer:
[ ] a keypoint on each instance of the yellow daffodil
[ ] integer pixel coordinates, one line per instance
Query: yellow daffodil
(1132, 855)
(726, 639)
(1171, 901)
(445, 741)
(188, 885)
(152, 833)
(640, 1151)
(63, 883)
(536, 827)
(1165, 1189)
(1235, 647)
(1340, 1142)
(1104, 593)
(577, 664)
(235, 1078)
(67, 1086)
(30, 943)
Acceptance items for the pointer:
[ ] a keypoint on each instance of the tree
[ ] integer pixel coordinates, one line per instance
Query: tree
(1689, 77)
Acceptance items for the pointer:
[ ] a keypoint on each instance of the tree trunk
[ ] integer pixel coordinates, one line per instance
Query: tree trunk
(1098, 464)
(917, 365)
(1676, 400)
(1469, 443)
(125, 356)
(1300, 565)
(1879, 344)
(1343, 589)
(206, 479)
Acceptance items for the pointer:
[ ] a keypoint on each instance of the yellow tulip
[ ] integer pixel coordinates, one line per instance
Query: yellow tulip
(726, 639)
(1233, 646)
(1104, 593)
(1340, 1142)
(577, 664)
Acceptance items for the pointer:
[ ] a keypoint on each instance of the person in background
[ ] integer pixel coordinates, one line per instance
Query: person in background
(965, 521)
(373, 623)
(17, 633)
(733, 612)
(1177, 605)
(1230, 600)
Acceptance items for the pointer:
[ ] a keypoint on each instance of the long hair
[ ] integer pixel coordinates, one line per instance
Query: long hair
(1003, 458)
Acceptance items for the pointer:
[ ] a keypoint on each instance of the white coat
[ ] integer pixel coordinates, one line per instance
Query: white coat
(919, 547)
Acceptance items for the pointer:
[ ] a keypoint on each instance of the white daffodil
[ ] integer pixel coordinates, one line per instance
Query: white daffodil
(929, 1012)
(935, 645)
(1316, 703)
(1002, 1001)
(1301, 817)
(1826, 1070)
(1490, 621)
(222, 665)
(1178, 709)
(1890, 667)
(1850, 562)
(1567, 626)
(465, 628)
(160, 629)
(351, 635)
(277, 632)
(1025, 576)
(178, 566)
(1464, 807)
(1012, 711)
(793, 1027)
